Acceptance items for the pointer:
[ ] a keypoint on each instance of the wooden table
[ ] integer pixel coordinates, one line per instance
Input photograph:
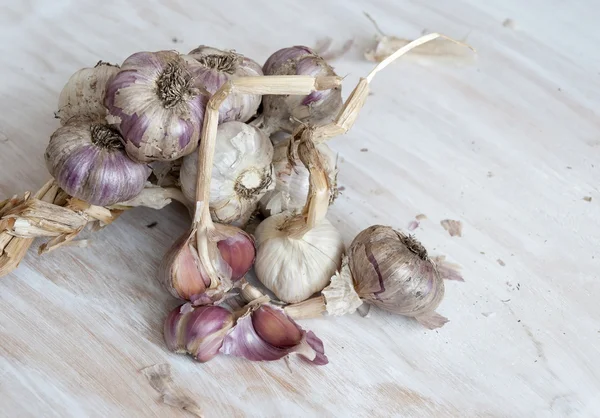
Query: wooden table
(508, 145)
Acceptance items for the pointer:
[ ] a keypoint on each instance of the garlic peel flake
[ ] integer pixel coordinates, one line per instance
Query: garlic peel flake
(340, 296)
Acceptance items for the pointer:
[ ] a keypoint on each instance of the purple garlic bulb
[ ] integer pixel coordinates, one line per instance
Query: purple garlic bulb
(89, 162)
(197, 331)
(266, 333)
(317, 108)
(216, 68)
(157, 106)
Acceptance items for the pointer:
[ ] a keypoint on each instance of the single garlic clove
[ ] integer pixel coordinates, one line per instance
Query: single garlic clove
(198, 331)
(239, 253)
(275, 328)
(394, 272)
(245, 340)
(180, 270)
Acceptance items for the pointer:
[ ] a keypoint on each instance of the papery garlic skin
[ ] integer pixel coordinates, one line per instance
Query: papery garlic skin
(294, 269)
(242, 172)
(198, 331)
(184, 276)
(88, 161)
(292, 179)
(83, 94)
(393, 271)
(218, 67)
(156, 105)
(317, 108)
(266, 333)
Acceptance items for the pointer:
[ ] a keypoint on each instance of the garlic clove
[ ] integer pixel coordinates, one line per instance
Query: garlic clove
(198, 331)
(244, 340)
(239, 253)
(275, 328)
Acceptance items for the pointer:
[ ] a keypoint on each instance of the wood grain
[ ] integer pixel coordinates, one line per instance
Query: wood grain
(507, 145)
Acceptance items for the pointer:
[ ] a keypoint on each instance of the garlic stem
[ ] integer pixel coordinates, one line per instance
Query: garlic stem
(349, 112)
(310, 308)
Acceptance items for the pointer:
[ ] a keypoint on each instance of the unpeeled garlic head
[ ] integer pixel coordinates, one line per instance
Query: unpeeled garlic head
(295, 268)
(242, 172)
(292, 179)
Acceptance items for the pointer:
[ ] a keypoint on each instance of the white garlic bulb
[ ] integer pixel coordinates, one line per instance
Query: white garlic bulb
(292, 178)
(242, 172)
(295, 268)
(83, 95)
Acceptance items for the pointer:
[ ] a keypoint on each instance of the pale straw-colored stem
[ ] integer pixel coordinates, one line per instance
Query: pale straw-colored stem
(310, 308)
(349, 112)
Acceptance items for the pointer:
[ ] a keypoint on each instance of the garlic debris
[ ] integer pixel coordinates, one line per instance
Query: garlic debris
(298, 253)
(89, 162)
(83, 95)
(292, 178)
(241, 175)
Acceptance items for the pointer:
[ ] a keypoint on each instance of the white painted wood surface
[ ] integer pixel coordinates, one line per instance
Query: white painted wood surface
(509, 146)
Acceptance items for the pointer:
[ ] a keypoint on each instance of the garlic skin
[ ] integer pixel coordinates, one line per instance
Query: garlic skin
(197, 330)
(156, 105)
(394, 272)
(292, 179)
(83, 94)
(294, 269)
(89, 162)
(242, 172)
(184, 276)
(317, 108)
(266, 333)
(218, 67)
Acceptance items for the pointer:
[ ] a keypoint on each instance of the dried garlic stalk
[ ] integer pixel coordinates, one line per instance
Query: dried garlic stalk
(53, 213)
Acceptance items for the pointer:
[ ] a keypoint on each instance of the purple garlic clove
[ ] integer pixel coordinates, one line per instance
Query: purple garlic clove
(198, 331)
(266, 333)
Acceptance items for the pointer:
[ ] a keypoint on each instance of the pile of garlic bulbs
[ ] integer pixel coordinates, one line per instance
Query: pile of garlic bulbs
(205, 121)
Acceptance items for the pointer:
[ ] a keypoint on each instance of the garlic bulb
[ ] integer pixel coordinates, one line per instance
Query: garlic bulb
(393, 271)
(298, 253)
(292, 178)
(83, 95)
(317, 108)
(241, 174)
(197, 330)
(186, 277)
(156, 105)
(266, 333)
(217, 68)
(89, 162)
